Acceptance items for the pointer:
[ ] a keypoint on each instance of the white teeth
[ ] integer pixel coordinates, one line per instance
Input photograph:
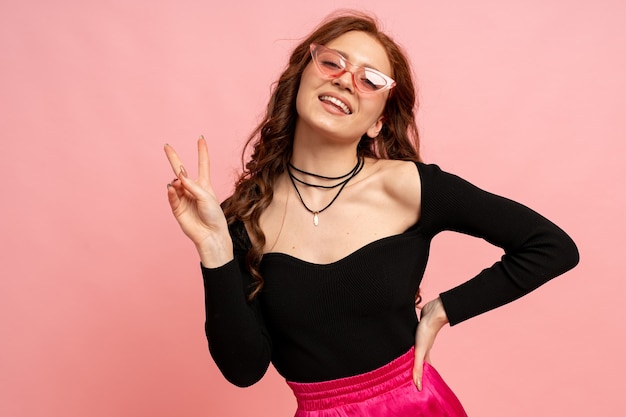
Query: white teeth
(337, 103)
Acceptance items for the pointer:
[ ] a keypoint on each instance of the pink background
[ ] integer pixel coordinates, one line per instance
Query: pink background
(101, 305)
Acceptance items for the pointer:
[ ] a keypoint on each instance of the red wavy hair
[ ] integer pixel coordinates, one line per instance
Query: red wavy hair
(271, 142)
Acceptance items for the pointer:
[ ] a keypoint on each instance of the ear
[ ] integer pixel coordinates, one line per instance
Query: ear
(375, 128)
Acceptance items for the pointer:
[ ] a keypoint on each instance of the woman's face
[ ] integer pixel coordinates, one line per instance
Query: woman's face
(335, 107)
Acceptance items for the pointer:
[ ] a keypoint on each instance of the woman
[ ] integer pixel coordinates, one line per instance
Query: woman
(314, 263)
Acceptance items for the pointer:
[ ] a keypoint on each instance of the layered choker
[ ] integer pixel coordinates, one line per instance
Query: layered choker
(343, 180)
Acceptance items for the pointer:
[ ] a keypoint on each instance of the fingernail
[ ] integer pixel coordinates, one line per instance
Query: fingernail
(183, 171)
(202, 137)
(419, 385)
(169, 185)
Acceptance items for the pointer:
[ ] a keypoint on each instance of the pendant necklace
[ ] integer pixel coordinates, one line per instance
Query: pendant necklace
(346, 178)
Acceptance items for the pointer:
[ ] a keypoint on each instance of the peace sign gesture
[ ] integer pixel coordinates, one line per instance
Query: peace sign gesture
(197, 210)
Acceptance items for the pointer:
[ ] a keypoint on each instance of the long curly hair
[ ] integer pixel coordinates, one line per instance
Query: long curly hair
(272, 140)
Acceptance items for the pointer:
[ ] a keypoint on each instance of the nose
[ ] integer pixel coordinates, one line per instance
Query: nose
(345, 81)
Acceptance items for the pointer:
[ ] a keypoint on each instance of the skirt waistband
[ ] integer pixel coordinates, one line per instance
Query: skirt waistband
(337, 392)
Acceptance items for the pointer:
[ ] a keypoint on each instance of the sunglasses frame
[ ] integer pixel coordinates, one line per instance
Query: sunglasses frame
(348, 67)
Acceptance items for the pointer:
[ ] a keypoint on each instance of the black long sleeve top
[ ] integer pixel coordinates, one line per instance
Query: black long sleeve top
(319, 322)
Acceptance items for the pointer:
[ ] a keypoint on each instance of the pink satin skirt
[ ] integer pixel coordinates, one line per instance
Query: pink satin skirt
(388, 391)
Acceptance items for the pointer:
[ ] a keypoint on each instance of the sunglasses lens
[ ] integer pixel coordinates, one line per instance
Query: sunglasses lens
(370, 80)
(330, 64)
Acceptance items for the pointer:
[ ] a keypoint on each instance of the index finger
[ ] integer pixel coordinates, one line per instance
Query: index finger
(173, 158)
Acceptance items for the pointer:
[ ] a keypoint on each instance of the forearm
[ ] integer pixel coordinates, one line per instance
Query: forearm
(235, 331)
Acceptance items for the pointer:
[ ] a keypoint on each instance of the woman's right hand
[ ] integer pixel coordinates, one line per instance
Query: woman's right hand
(197, 210)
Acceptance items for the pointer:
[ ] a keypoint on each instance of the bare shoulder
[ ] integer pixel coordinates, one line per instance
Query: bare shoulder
(401, 181)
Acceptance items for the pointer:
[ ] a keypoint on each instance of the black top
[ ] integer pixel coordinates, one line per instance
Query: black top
(319, 322)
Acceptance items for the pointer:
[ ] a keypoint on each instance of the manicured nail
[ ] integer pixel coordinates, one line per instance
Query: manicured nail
(169, 185)
(202, 137)
(183, 171)
(419, 385)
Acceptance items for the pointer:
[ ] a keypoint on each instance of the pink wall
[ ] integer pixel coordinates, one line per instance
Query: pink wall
(101, 298)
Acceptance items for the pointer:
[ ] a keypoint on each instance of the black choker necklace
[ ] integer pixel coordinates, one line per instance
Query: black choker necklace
(324, 177)
(346, 178)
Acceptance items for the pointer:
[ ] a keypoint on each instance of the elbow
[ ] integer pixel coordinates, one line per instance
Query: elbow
(571, 255)
(241, 369)
(573, 258)
(243, 378)
(553, 253)
(566, 253)
(241, 381)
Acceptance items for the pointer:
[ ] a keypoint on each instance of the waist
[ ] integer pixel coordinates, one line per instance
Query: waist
(337, 392)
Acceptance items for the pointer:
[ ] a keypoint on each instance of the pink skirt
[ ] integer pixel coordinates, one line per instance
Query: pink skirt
(384, 392)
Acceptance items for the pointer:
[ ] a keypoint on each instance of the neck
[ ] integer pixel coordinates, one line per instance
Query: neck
(330, 159)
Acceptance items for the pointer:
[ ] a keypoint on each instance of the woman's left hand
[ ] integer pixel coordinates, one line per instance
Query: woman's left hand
(432, 319)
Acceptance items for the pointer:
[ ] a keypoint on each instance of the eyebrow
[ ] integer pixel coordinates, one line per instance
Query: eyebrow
(347, 57)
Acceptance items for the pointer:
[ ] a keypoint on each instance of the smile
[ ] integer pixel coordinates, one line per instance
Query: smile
(333, 100)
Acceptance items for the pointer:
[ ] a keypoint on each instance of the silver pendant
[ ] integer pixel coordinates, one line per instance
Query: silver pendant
(316, 218)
